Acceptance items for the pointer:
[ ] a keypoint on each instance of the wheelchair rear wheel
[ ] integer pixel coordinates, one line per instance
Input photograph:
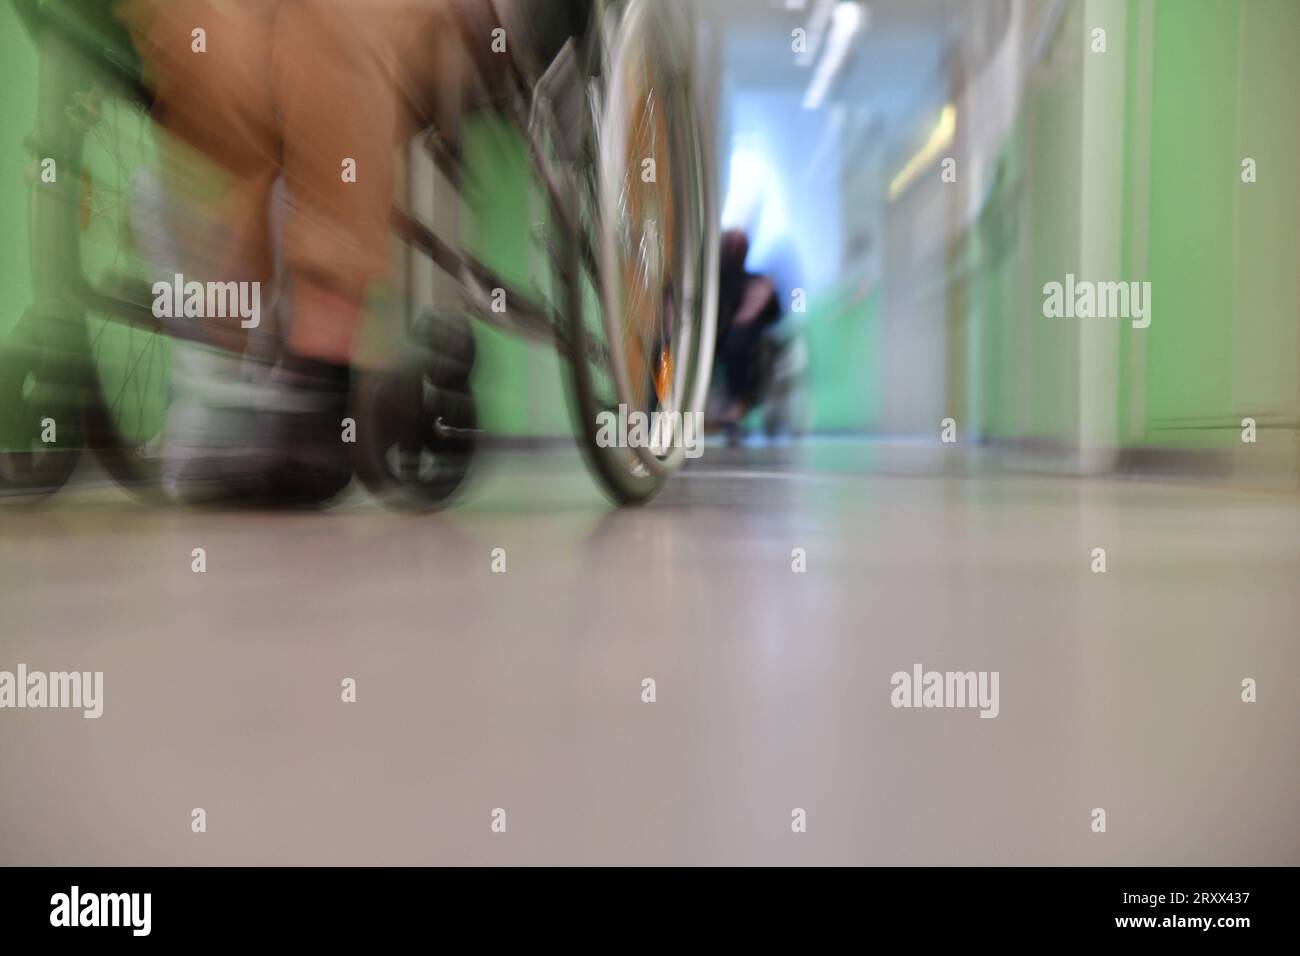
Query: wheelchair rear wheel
(41, 429)
(93, 124)
(639, 279)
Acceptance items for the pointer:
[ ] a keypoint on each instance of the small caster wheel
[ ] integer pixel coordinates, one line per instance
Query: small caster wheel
(41, 427)
(447, 342)
(415, 439)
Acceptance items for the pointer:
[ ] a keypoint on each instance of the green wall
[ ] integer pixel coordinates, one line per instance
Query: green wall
(1193, 194)
(1206, 83)
(17, 112)
(519, 386)
(842, 333)
(1220, 78)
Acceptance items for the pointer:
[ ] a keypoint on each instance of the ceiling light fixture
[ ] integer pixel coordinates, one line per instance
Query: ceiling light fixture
(847, 18)
(940, 137)
(815, 32)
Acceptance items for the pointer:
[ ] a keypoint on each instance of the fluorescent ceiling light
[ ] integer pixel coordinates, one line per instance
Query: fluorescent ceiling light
(940, 137)
(815, 31)
(846, 20)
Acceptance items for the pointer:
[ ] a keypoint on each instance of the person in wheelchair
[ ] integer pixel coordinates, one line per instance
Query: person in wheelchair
(748, 306)
(300, 104)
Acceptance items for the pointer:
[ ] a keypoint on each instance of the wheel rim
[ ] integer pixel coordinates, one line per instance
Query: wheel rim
(131, 358)
(651, 252)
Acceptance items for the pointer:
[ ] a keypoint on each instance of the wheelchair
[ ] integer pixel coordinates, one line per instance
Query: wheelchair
(631, 303)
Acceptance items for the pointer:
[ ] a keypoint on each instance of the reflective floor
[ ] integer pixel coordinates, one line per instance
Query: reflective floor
(522, 691)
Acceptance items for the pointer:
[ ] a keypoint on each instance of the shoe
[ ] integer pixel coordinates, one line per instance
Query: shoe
(211, 417)
(236, 433)
(299, 453)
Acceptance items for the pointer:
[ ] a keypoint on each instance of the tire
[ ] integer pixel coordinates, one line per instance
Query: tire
(650, 355)
(415, 440)
(32, 410)
(91, 113)
(129, 356)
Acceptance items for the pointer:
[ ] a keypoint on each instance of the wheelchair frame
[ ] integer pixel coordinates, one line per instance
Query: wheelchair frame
(52, 215)
(63, 293)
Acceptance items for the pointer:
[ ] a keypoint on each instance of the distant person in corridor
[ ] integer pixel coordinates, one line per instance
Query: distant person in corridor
(747, 306)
